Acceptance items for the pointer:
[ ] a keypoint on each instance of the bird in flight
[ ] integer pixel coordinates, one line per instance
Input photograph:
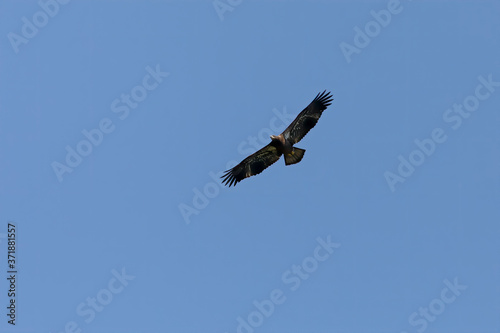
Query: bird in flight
(281, 144)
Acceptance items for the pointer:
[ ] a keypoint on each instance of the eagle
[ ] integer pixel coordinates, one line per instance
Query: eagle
(281, 144)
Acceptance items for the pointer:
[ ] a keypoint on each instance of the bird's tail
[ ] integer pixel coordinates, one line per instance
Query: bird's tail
(295, 156)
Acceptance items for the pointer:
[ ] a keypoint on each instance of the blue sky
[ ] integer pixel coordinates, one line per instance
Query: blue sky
(117, 116)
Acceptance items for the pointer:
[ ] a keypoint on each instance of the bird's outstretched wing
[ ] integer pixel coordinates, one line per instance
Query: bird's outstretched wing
(307, 118)
(252, 165)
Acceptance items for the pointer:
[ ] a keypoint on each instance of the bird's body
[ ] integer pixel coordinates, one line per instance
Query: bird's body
(281, 144)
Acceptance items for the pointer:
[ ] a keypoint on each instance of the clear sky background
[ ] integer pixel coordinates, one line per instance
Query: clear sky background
(129, 232)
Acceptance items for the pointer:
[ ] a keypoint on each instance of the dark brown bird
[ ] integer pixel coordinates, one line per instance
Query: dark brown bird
(281, 144)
